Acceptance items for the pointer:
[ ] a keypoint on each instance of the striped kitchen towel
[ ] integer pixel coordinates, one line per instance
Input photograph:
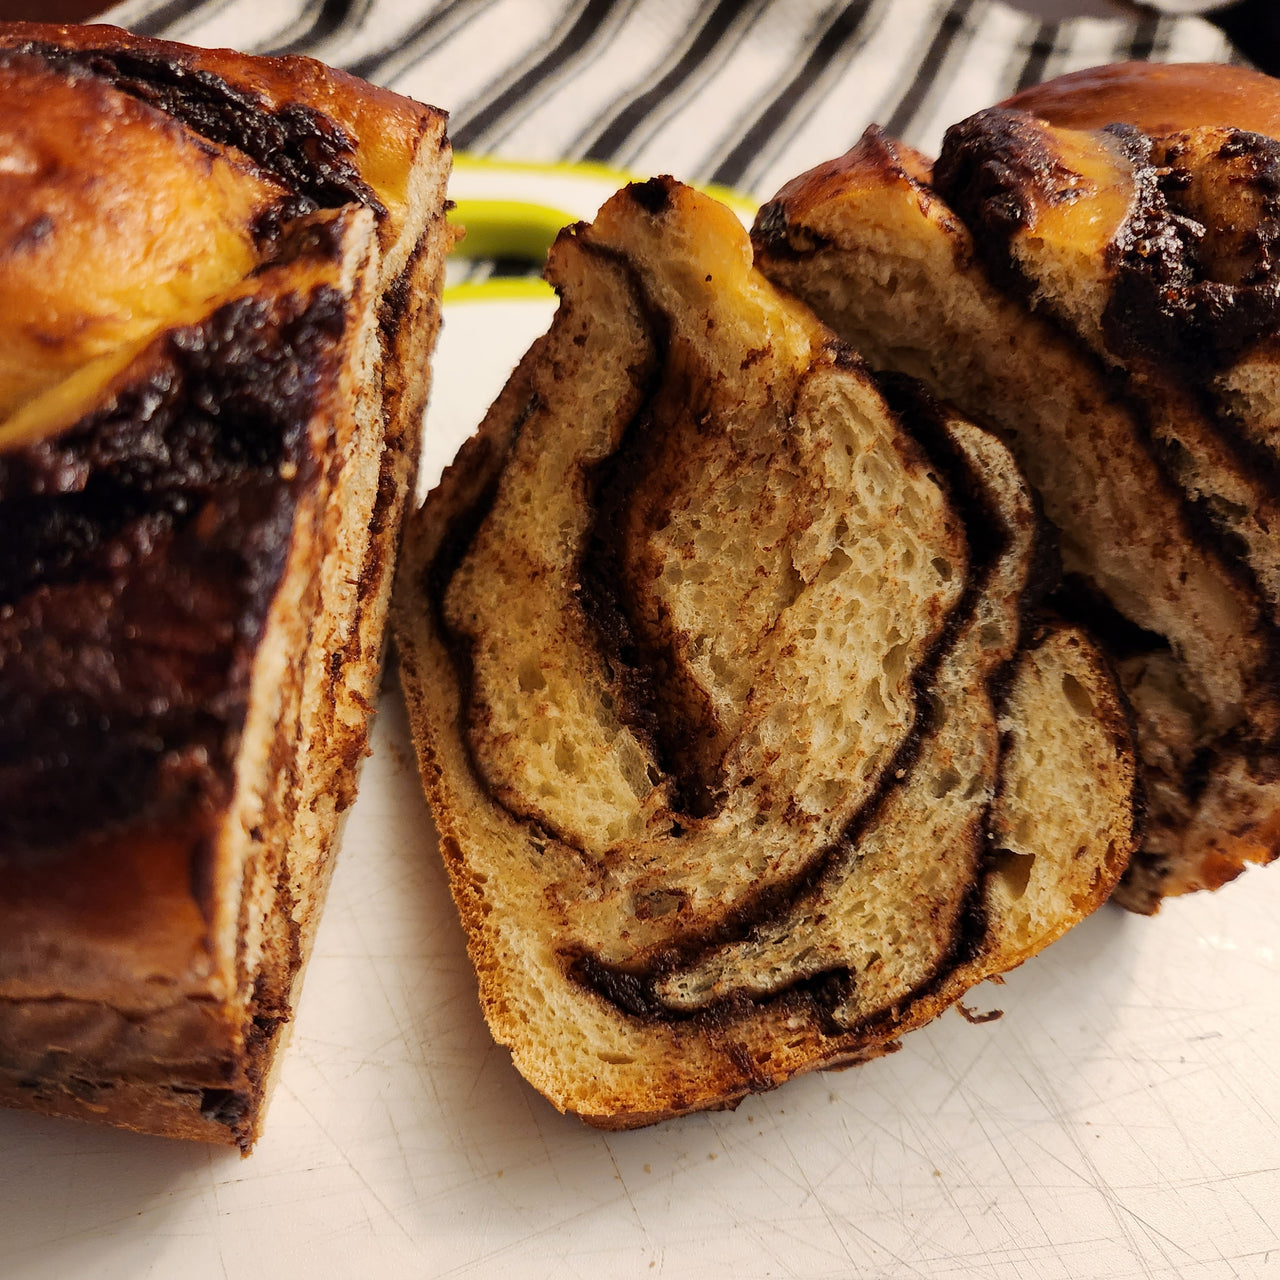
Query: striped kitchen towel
(746, 93)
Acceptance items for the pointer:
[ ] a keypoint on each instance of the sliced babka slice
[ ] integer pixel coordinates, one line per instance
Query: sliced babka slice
(706, 643)
(1058, 284)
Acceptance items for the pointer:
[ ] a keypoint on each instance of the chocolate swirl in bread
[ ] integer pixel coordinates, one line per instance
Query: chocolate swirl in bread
(219, 278)
(1090, 269)
(707, 648)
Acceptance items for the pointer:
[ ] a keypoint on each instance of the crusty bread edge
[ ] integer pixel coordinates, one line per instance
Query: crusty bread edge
(408, 315)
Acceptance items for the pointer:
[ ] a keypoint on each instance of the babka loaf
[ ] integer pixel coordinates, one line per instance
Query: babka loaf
(1090, 270)
(748, 744)
(219, 288)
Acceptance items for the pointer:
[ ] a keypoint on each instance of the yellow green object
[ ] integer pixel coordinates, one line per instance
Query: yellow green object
(507, 228)
(515, 209)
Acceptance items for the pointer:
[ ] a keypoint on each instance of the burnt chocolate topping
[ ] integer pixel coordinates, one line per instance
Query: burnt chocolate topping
(304, 149)
(652, 196)
(998, 166)
(1166, 305)
(776, 235)
(142, 551)
(994, 167)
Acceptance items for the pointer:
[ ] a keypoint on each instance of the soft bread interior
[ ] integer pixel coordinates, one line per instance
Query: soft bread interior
(886, 908)
(806, 554)
(696, 633)
(1066, 785)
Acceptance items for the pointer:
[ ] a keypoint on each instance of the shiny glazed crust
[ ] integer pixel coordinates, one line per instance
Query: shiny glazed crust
(151, 955)
(1157, 97)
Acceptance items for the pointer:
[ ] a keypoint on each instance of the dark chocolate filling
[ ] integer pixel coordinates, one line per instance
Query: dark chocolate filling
(996, 166)
(304, 149)
(633, 989)
(641, 668)
(666, 709)
(641, 664)
(143, 548)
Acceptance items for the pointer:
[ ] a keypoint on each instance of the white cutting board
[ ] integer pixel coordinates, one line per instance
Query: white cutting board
(1121, 1120)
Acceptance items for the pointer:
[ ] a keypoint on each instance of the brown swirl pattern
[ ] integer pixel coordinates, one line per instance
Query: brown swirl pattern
(730, 632)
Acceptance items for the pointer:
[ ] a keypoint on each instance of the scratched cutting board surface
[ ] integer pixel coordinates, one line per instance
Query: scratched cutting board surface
(1122, 1119)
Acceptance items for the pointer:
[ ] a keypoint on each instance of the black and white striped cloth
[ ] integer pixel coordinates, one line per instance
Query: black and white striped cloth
(746, 93)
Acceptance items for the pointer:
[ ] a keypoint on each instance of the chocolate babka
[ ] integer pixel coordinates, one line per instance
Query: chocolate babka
(219, 288)
(1090, 270)
(749, 743)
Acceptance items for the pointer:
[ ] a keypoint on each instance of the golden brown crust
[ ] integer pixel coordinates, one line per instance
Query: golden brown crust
(1157, 98)
(181, 223)
(149, 967)
(796, 201)
(384, 129)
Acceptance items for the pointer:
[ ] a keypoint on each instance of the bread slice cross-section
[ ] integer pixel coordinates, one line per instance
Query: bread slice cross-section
(731, 693)
(220, 280)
